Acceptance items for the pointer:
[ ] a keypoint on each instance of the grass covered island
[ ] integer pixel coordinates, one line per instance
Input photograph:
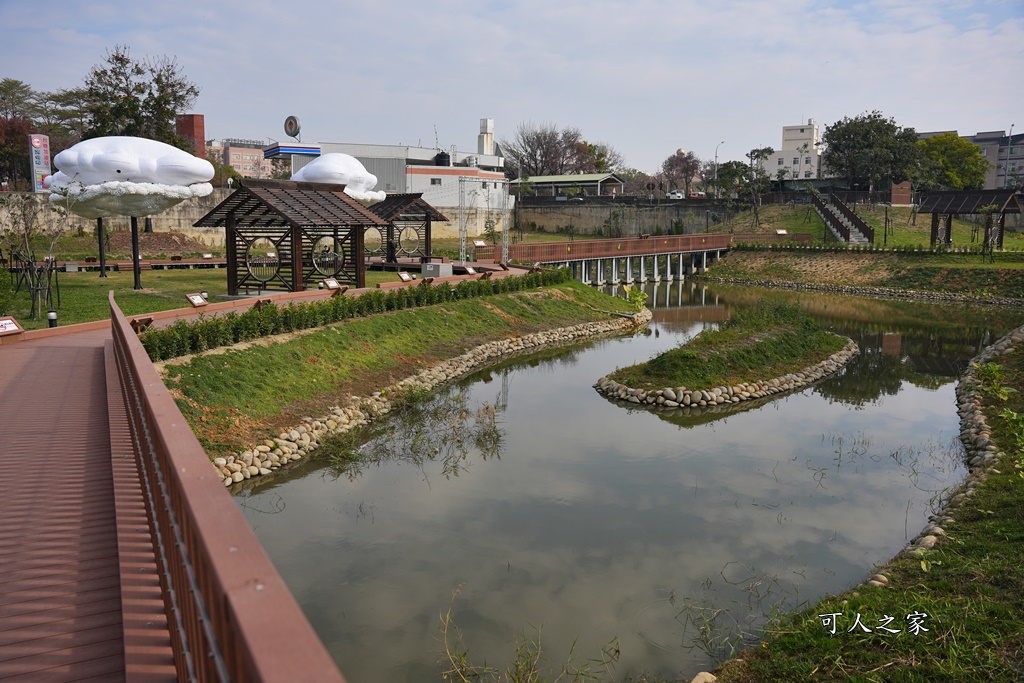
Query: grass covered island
(767, 340)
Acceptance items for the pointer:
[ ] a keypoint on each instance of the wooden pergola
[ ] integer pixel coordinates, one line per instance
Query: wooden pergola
(409, 219)
(988, 203)
(285, 235)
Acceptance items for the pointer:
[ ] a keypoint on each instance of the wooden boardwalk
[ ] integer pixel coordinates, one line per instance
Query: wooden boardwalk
(79, 595)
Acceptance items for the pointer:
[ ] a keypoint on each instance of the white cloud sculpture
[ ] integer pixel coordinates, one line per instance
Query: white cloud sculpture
(338, 168)
(126, 176)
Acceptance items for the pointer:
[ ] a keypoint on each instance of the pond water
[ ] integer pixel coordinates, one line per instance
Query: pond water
(540, 505)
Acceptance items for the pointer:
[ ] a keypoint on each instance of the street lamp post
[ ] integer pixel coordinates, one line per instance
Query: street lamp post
(716, 166)
(1006, 169)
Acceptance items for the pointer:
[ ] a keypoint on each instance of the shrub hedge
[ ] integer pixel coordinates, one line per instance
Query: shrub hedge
(184, 337)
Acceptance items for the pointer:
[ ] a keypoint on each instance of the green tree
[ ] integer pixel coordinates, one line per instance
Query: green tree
(17, 100)
(868, 149)
(124, 96)
(17, 108)
(731, 175)
(222, 172)
(757, 180)
(637, 182)
(952, 163)
(14, 158)
(62, 116)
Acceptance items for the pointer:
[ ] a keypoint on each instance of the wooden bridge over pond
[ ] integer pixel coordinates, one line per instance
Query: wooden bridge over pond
(637, 259)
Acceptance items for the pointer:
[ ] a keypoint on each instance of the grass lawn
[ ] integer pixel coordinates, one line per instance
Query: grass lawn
(83, 295)
(761, 342)
(907, 231)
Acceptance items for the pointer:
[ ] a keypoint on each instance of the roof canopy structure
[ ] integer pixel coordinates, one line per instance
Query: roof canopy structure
(552, 185)
(409, 218)
(970, 201)
(964, 202)
(284, 235)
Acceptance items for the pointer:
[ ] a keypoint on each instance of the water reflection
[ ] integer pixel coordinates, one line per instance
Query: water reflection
(674, 535)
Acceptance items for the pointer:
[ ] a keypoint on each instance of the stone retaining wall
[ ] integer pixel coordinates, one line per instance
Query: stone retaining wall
(296, 443)
(878, 292)
(694, 400)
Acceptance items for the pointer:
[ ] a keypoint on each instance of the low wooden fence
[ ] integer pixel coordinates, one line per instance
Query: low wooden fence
(231, 616)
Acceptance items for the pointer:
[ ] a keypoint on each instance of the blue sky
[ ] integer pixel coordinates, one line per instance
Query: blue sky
(647, 76)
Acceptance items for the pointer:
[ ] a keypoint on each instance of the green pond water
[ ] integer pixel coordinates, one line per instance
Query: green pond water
(546, 507)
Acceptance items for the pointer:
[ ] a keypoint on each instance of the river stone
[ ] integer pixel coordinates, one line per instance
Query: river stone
(704, 677)
(293, 435)
(926, 542)
(669, 395)
(220, 462)
(237, 477)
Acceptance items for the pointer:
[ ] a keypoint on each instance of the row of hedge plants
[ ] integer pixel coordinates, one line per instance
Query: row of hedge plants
(185, 337)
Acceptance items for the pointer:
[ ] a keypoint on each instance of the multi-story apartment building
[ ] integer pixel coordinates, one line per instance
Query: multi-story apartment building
(246, 156)
(799, 158)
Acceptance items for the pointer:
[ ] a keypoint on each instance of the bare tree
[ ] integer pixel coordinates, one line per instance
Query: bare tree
(25, 226)
(680, 168)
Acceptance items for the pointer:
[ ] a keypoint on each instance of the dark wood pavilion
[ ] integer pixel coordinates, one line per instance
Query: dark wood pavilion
(409, 218)
(988, 203)
(286, 235)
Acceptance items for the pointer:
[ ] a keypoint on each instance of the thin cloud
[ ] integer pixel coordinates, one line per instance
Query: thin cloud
(647, 78)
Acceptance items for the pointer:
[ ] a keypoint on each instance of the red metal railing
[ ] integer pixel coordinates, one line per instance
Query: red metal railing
(231, 615)
(553, 252)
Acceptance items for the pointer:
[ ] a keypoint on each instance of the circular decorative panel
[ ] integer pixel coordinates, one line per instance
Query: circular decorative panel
(262, 259)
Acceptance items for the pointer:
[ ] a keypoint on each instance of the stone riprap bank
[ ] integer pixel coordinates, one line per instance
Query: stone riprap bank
(293, 444)
(683, 397)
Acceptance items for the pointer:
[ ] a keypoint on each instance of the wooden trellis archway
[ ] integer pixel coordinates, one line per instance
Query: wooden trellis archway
(408, 233)
(992, 204)
(286, 235)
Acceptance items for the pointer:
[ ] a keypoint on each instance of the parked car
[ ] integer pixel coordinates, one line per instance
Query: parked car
(675, 194)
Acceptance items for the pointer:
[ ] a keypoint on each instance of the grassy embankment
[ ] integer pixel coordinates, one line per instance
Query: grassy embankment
(958, 273)
(907, 230)
(232, 398)
(761, 342)
(969, 586)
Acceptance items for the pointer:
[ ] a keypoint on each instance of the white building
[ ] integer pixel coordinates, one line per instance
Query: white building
(800, 155)
(449, 179)
(434, 172)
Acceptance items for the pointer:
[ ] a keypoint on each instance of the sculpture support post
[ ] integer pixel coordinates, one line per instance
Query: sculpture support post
(103, 253)
(136, 268)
